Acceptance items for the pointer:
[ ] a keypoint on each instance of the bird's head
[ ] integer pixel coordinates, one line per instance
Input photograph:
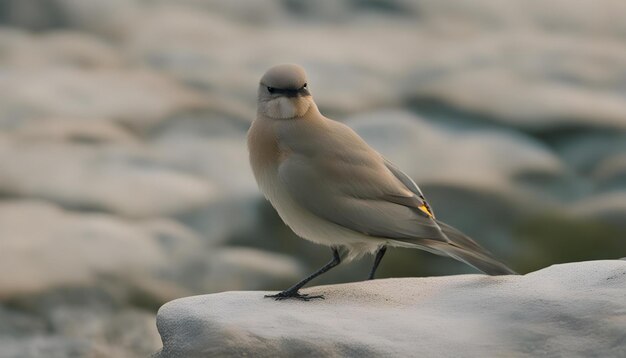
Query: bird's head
(284, 92)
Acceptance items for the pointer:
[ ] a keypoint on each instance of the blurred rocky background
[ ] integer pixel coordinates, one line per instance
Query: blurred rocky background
(124, 178)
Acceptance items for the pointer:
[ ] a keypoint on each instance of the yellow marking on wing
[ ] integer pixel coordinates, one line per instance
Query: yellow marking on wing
(426, 209)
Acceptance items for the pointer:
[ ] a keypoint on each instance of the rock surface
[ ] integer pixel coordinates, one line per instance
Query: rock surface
(576, 309)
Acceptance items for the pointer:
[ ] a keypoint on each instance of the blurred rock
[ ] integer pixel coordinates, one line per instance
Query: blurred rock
(137, 99)
(123, 262)
(56, 347)
(130, 331)
(57, 49)
(565, 236)
(126, 180)
(182, 41)
(515, 100)
(162, 41)
(236, 268)
(110, 18)
(65, 249)
(584, 151)
(562, 310)
(18, 324)
(259, 12)
(79, 325)
(72, 130)
(35, 15)
(609, 207)
(212, 146)
(216, 220)
(610, 173)
(338, 11)
(81, 332)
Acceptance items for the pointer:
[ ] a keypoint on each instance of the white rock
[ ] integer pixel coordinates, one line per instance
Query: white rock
(57, 347)
(210, 146)
(234, 267)
(63, 48)
(131, 331)
(126, 180)
(45, 248)
(517, 100)
(575, 309)
(136, 98)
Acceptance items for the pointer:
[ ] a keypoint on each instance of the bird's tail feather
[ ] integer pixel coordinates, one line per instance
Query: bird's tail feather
(462, 248)
(486, 264)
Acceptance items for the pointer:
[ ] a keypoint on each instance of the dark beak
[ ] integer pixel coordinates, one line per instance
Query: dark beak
(301, 92)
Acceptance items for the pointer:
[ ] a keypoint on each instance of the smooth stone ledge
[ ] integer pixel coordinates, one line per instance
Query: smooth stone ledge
(575, 309)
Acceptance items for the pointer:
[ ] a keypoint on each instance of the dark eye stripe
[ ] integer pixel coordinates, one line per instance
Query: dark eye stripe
(292, 92)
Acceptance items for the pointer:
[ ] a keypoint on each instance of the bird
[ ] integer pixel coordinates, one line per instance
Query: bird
(330, 187)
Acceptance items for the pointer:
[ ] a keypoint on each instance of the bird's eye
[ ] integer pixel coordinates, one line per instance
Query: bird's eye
(304, 86)
(270, 89)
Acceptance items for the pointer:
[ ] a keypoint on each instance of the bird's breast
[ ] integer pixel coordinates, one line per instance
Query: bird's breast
(265, 153)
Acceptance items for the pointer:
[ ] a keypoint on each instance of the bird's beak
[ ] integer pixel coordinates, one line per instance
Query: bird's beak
(302, 92)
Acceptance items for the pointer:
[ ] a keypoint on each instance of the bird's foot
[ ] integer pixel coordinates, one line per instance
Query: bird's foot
(294, 295)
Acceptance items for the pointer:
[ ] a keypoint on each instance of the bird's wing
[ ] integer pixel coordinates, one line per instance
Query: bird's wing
(342, 180)
(352, 186)
(418, 197)
(456, 237)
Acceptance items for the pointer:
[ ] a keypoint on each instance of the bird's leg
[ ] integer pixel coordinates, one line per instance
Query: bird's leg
(292, 292)
(379, 256)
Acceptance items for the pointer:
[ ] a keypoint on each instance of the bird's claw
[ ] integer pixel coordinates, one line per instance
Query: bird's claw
(294, 295)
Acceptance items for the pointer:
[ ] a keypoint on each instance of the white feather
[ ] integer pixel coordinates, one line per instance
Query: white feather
(286, 107)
